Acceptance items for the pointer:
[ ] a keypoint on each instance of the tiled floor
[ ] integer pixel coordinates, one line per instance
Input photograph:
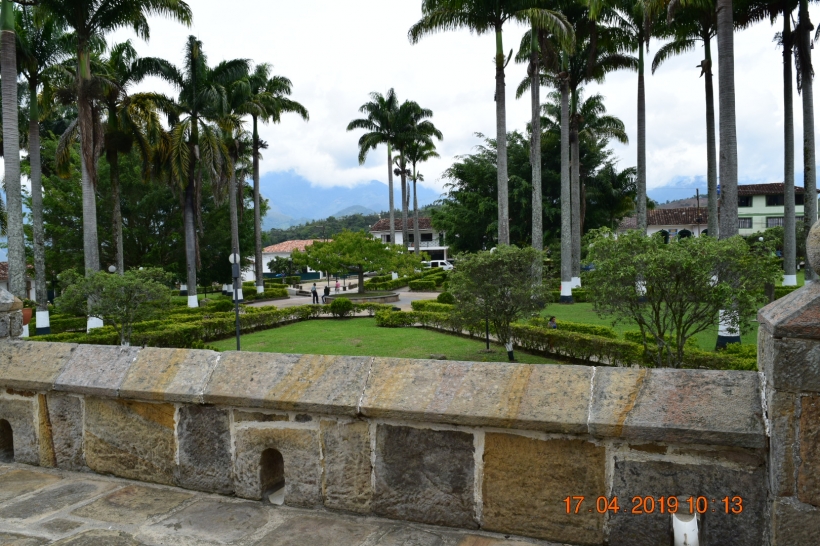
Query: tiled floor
(45, 506)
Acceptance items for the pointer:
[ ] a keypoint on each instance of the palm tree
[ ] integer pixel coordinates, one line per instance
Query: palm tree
(379, 124)
(421, 150)
(266, 100)
(805, 86)
(727, 166)
(91, 20)
(42, 44)
(489, 16)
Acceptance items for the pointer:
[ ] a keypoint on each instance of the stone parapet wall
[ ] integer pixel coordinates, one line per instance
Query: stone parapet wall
(469, 445)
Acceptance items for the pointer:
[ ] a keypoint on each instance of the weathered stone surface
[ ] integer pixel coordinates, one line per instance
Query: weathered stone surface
(60, 526)
(97, 537)
(130, 439)
(678, 406)
(299, 448)
(65, 414)
(794, 524)
(318, 531)
(347, 468)
(310, 383)
(96, 370)
(808, 474)
(791, 364)
(16, 483)
(169, 375)
(425, 475)
(9, 302)
(525, 481)
(489, 541)
(133, 503)
(796, 315)
(781, 410)
(408, 536)
(12, 539)
(44, 434)
(19, 412)
(34, 366)
(258, 417)
(657, 479)
(212, 521)
(57, 498)
(204, 436)
(546, 398)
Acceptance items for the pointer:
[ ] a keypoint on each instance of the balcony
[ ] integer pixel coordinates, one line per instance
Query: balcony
(426, 244)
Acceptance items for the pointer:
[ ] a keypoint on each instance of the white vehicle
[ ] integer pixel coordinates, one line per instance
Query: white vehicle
(444, 264)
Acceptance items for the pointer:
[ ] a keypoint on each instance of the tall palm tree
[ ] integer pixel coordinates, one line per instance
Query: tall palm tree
(11, 151)
(489, 16)
(805, 86)
(90, 20)
(266, 100)
(379, 124)
(42, 43)
(421, 150)
(727, 165)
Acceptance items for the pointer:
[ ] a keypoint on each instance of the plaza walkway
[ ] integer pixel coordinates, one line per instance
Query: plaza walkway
(405, 297)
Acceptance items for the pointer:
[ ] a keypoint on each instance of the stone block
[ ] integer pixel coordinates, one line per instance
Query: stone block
(808, 473)
(664, 479)
(130, 439)
(299, 449)
(347, 467)
(32, 366)
(258, 417)
(425, 475)
(60, 526)
(521, 396)
(133, 503)
(678, 406)
(58, 498)
(20, 414)
(307, 530)
(794, 524)
(97, 537)
(793, 365)
(781, 409)
(209, 522)
(96, 370)
(526, 480)
(13, 539)
(309, 383)
(169, 375)
(204, 436)
(17, 483)
(796, 315)
(65, 413)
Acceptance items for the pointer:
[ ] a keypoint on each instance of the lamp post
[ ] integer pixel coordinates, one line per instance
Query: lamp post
(234, 259)
(112, 269)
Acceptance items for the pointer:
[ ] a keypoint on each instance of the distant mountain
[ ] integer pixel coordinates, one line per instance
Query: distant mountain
(683, 203)
(355, 209)
(293, 199)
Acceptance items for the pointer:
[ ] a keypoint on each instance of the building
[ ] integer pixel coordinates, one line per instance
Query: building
(684, 221)
(279, 250)
(431, 241)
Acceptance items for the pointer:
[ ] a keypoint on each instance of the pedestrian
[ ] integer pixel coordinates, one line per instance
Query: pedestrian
(552, 324)
(326, 294)
(337, 286)
(315, 294)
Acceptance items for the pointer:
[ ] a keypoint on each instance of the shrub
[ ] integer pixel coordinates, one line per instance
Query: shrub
(431, 305)
(780, 291)
(279, 281)
(394, 319)
(293, 280)
(341, 307)
(269, 293)
(581, 328)
(423, 286)
(446, 297)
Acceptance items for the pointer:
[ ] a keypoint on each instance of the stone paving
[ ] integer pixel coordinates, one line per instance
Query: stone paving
(405, 298)
(46, 506)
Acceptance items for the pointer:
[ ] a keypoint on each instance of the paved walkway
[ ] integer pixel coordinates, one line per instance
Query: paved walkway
(46, 506)
(405, 297)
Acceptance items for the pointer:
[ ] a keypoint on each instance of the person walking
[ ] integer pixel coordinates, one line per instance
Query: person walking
(315, 294)
(337, 286)
(326, 294)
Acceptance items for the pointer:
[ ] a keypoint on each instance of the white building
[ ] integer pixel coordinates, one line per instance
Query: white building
(679, 221)
(431, 241)
(279, 250)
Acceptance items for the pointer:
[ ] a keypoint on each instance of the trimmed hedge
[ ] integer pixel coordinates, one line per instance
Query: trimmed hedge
(341, 307)
(579, 295)
(269, 293)
(295, 279)
(423, 285)
(593, 350)
(446, 297)
(780, 291)
(431, 305)
(277, 282)
(578, 327)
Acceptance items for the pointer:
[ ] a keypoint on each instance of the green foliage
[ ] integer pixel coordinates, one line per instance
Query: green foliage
(581, 328)
(341, 307)
(579, 295)
(331, 226)
(423, 285)
(685, 284)
(274, 283)
(395, 319)
(431, 305)
(780, 291)
(295, 279)
(268, 294)
(281, 265)
(446, 297)
(589, 349)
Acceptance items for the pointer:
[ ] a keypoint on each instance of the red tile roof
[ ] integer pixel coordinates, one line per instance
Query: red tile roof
(777, 188)
(384, 224)
(686, 216)
(289, 246)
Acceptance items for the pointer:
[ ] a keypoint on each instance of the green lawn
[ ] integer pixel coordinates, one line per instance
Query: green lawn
(361, 337)
(582, 312)
(801, 278)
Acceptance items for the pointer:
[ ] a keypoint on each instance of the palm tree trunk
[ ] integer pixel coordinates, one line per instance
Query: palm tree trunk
(501, 141)
(809, 160)
(190, 244)
(232, 202)
(566, 200)
(390, 189)
(88, 159)
(711, 145)
(40, 290)
(91, 253)
(727, 166)
(257, 215)
(11, 153)
(404, 211)
(575, 198)
(535, 153)
(789, 238)
(116, 214)
(416, 232)
(641, 181)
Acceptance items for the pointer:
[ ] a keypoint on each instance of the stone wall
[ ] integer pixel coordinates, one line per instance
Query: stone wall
(471, 445)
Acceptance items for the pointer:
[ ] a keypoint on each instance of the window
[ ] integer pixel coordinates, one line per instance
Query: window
(744, 201)
(426, 236)
(776, 221)
(272, 476)
(775, 200)
(798, 198)
(385, 238)
(744, 223)
(6, 442)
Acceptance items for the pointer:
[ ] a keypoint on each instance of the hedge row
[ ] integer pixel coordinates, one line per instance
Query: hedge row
(431, 305)
(295, 279)
(268, 294)
(579, 295)
(589, 349)
(400, 282)
(423, 285)
(578, 327)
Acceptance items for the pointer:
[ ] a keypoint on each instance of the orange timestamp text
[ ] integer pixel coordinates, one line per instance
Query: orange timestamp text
(651, 505)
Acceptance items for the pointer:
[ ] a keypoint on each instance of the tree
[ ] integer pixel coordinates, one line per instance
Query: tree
(91, 20)
(418, 152)
(281, 266)
(119, 300)
(805, 86)
(498, 286)
(379, 124)
(489, 16)
(675, 291)
(357, 252)
(727, 166)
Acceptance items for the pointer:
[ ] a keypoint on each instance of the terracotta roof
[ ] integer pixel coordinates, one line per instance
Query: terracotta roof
(777, 188)
(686, 216)
(289, 246)
(384, 224)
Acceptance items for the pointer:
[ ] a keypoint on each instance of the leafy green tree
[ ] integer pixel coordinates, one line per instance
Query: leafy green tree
(326, 227)
(119, 300)
(419, 151)
(675, 291)
(356, 252)
(498, 286)
(280, 265)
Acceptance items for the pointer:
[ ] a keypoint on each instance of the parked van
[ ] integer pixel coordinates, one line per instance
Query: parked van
(444, 264)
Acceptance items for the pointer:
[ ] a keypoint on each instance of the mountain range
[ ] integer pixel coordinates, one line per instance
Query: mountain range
(293, 200)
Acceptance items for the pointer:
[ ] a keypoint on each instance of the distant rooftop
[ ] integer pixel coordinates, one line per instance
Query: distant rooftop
(289, 246)
(384, 224)
(776, 188)
(669, 217)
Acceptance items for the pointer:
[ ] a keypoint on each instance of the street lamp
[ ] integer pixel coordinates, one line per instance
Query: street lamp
(112, 269)
(234, 259)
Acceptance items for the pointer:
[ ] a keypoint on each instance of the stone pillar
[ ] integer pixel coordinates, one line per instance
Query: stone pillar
(789, 358)
(11, 315)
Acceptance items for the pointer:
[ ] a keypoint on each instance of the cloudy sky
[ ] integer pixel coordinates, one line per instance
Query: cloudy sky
(336, 53)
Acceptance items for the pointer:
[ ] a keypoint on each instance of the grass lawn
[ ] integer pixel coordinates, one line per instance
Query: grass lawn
(210, 295)
(801, 278)
(361, 337)
(582, 312)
